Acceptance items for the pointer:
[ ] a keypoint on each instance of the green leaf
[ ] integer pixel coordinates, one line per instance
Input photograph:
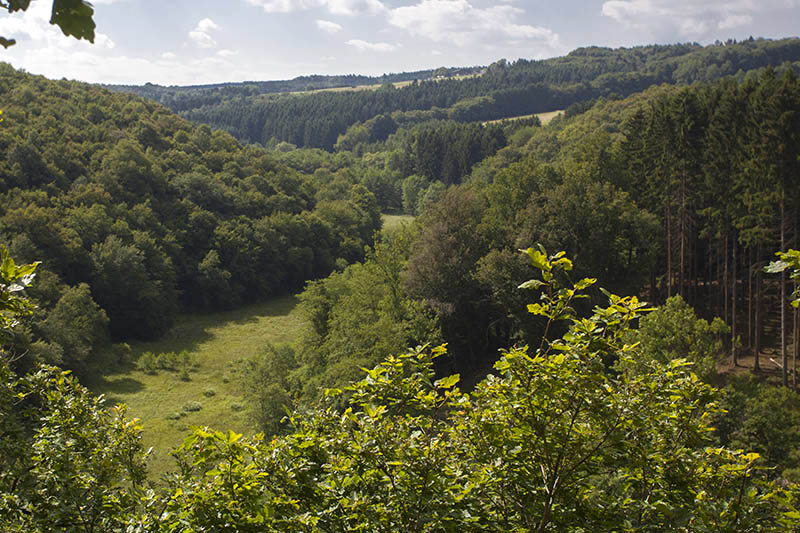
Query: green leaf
(5, 43)
(449, 381)
(538, 259)
(776, 267)
(18, 5)
(74, 17)
(532, 284)
(584, 283)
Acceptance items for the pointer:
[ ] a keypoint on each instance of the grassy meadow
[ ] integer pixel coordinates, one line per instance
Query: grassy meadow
(543, 117)
(217, 343)
(394, 222)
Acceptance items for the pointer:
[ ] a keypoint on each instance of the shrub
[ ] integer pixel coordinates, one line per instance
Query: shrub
(148, 362)
(192, 406)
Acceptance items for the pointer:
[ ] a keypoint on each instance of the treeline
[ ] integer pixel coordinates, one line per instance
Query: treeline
(184, 98)
(720, 168)
(505, 90)
(632, 189)
(136, 214)
(677, 191)
(587, 432)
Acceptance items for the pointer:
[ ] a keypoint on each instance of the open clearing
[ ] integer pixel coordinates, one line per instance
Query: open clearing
(394, 222)
(543, 117)
(217, 343)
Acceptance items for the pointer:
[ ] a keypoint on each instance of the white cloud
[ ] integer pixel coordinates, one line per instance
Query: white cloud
(227, 53)
(460, 23)
(168, 56)
(734, 21)
(201, 34)
(328, 26)
(364, 46)
(689, 18)
(337, 7)
(32, 29)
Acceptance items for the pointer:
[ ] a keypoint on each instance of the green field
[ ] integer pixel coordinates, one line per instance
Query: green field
(217, 342)
(393, 222)
(543, 117)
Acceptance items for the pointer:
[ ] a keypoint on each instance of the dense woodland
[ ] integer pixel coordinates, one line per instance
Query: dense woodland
(583, 410)
(505, 90)
(137, 214)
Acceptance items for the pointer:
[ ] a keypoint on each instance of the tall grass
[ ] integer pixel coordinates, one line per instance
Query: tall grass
(169, 401)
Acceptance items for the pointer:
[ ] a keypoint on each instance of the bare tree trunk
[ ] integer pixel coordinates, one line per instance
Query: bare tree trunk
(750, 298)
(725, 282)
(757, 346)
(796, 348)
(682, 222)
(734, 359)
(669, 252)
(709, 293)
(782, 299)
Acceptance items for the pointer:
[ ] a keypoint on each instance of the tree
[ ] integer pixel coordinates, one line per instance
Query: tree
(74, 17)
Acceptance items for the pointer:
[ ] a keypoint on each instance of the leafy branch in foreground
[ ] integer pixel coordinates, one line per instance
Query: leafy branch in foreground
(789, 260)
(73, 17)
(555, 441)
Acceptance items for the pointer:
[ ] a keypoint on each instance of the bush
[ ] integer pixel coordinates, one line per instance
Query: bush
(208, 393)
(673, 331)
(148, 362)
(192, 406)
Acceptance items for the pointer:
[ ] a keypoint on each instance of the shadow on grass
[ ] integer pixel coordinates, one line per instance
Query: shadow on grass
(191, 331)
(111, 387)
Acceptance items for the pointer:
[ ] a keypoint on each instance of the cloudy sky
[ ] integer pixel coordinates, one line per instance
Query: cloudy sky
(203, 41)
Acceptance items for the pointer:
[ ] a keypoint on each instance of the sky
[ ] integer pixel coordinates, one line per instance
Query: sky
(189, 42)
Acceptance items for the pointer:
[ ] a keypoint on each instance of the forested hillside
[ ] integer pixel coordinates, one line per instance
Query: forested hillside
(505, 90)
(136, 213)
(584, 282)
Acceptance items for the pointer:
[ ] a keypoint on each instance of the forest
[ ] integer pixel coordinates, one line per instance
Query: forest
(585, 327)
(504, 90)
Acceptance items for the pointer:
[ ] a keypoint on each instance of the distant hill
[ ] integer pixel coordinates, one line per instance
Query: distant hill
(137, 213)
(263, 112)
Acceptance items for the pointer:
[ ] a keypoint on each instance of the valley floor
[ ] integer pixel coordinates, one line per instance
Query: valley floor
(217, 342)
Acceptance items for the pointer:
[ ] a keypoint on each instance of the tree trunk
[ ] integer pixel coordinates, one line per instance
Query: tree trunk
(682, 222)
(796, 348)
(782, 300)
(750, 298)
(669, 251)
(757, 344)
(725, 282)
(734, 360)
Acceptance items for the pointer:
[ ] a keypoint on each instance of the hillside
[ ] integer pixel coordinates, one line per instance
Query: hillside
(506, 89)
(136, 214)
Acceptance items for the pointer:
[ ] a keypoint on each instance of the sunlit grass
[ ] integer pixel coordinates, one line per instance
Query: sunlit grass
(218, 342)
(543, 117)
(394, 222)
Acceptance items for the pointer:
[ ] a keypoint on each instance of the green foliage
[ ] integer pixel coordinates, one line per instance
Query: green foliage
(763, 418)
(192, 406)
(359, 316)
(79, 326)
(13, 280)
(673, 331)
(151, 363)
(322, 119)
(155, 215)
(269, 387)
(551, 442)
(73, 17)
(789, 260)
